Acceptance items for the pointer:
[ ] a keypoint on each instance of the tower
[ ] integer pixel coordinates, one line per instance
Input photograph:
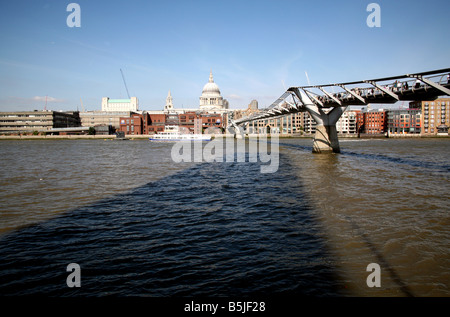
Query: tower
(169, 103)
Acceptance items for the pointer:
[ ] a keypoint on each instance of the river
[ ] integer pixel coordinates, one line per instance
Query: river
(140, 224)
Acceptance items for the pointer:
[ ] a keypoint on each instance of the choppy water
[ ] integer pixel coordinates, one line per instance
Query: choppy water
(139, 224)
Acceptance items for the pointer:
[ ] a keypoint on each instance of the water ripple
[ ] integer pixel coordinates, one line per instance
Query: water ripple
(219, 235)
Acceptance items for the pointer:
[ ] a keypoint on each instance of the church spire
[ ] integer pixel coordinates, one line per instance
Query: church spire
(211, 79)
(169, 102)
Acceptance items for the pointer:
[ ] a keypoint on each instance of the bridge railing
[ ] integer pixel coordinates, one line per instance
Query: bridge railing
(398, 86)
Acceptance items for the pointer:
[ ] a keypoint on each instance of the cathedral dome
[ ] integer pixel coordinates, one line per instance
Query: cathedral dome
(211, 98)
(211, 87)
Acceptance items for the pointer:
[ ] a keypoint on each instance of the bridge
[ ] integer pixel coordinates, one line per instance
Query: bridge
(326, 107)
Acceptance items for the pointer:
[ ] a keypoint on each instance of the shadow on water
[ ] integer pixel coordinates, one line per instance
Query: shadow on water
(216, 229)
(381, 158)
(400, 160)
(381, 259)
(326, 164)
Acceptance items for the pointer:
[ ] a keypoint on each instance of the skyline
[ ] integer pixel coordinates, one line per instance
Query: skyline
(255, 49)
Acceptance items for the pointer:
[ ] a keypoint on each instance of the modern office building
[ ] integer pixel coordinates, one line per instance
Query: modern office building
(27, 122)
(103, 118)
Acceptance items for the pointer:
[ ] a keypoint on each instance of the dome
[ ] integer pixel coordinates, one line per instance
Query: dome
(211, 98)
(211, 87)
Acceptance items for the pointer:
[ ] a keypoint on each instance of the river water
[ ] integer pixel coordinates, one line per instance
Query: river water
(140, 224)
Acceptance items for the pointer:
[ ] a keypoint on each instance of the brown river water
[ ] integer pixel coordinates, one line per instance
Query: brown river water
(383, 201)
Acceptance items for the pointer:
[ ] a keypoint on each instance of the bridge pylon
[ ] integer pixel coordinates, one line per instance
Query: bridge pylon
(326, 138)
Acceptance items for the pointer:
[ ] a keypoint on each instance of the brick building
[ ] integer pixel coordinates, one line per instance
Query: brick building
(372, 121)
(155, 122)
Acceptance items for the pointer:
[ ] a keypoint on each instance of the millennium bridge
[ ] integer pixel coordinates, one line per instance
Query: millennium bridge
(326, 108)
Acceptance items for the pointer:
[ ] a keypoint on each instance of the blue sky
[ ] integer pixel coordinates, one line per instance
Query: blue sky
(255, 49)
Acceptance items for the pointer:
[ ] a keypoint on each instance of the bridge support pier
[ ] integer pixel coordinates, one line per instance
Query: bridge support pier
(326, 139)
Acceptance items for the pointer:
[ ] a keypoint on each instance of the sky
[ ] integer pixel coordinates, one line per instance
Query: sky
(255, 49)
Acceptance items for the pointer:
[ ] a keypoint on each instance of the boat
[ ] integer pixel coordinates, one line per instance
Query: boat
(172, 133)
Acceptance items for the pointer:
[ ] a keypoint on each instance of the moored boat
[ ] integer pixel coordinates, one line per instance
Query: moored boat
(173, 134)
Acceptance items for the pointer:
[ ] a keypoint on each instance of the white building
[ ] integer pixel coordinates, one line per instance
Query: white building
(120, 104)
(211, 99)
(347, 122)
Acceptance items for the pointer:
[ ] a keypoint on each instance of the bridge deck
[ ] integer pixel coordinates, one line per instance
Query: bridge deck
(424, 92)
(409, 87)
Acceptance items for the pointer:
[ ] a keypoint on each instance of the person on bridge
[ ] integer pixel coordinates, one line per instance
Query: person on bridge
(417, 85)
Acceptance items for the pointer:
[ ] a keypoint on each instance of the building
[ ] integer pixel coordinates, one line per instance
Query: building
(372, 121)
(211, 115)
(211, 99)
(211, 120)
(435, 115)
(253, 105)
(154, 122)
(404, 121)
(347, 123)
(103, 118)
(308, 123)
(169, 103)
(133, 124)
(27, 122)
(302, 122)
(150, 122)
(287, 124)
(122, 105)
(191, 121)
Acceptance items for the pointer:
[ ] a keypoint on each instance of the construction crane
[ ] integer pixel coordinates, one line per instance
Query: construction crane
(123, 77)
